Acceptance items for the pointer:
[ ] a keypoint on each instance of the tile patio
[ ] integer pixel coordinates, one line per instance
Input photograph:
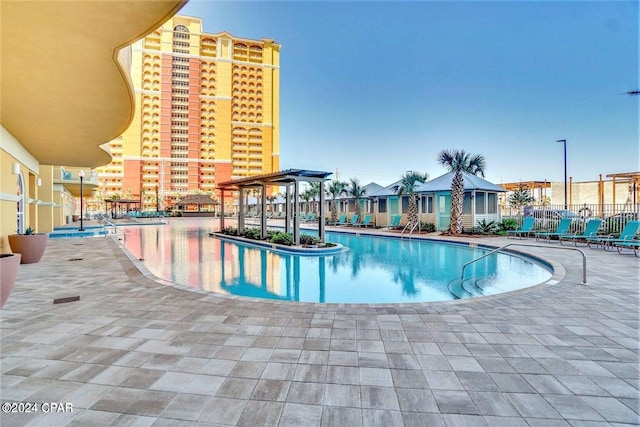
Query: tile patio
(135, 352)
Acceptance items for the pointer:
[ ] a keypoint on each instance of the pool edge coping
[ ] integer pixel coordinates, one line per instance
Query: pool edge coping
(559, 277)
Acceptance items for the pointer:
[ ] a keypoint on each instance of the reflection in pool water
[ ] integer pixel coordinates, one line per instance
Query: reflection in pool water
(374, 270)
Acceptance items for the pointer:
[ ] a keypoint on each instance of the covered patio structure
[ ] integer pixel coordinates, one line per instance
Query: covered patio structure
(116, 206)
(287, 178)
(198, 200)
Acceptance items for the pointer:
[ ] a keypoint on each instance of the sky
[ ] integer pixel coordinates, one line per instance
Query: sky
(371, 89)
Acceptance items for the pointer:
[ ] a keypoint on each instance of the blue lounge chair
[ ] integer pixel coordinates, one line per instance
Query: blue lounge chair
(395, 222)
(563, 228)
(354, 220)
(341, 221)
(591, 230)
(523, 232)
(365, 222)
(633, 245)
(627, 234)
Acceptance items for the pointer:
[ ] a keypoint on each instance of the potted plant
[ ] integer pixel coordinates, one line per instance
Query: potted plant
(8, 272)
(30, 245)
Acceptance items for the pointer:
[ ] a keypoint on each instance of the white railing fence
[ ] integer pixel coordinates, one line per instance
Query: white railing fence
(614, 216)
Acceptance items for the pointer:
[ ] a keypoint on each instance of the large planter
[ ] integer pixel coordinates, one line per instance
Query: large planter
(30, 246)
(8, 271)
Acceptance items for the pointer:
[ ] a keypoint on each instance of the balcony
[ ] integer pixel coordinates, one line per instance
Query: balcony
(70, 179)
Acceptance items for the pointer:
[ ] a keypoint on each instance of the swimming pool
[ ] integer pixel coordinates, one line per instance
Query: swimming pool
(374, 270)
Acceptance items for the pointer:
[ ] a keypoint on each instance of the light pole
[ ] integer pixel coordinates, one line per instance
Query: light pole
(81, 175)
(564, 142)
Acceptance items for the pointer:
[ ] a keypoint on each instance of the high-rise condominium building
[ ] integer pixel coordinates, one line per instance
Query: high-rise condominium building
(207, 111)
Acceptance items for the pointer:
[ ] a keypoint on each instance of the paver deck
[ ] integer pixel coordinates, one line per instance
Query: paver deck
(135, 352)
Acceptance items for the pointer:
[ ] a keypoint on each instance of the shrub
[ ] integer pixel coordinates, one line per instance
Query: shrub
(486, 227)
(307, 239)
(252, 233)
(507, 224)
(231, 231)
(282, 238)
(429, 227)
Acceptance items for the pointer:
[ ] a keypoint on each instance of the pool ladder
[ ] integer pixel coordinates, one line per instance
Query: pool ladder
(457, 286)
(417, 224)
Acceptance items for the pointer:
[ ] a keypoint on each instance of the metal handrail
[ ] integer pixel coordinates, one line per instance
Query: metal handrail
(104, 222)
(584, 257)
(417, 224)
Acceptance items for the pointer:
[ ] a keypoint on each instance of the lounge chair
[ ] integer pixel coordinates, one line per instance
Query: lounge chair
(633, 245)
(395, 222)
(523, 232)
(563, 228)
(591, 230)
(354, 220)
(341, 221)
(365, 222)
(310, 217)
(627, 234)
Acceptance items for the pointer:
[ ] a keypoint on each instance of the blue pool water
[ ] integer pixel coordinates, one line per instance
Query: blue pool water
(374, 270)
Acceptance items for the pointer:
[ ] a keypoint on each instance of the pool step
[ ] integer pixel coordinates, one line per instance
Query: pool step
(473, 287)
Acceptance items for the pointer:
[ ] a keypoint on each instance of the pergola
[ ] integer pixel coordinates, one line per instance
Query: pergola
(532, 186)
(198, 200)
(287, 178)
(631, 177)
(116, 204)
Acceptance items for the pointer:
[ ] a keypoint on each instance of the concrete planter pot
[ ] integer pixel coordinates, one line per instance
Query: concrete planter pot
(30, 246)
(8, 272)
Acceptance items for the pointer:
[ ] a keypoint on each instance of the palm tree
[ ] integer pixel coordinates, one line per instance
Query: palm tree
(408, 186)
(335, 188)
(306, 196)
(314, 189)
(357, 191)
(459, 161)
(271, 199)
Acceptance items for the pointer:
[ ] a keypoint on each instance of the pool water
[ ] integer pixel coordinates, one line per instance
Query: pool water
(373, 270)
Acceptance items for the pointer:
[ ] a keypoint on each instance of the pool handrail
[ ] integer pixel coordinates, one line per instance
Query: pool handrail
(584, 257)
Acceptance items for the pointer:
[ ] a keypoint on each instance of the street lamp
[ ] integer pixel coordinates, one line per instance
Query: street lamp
(81, 175)
(564, 141)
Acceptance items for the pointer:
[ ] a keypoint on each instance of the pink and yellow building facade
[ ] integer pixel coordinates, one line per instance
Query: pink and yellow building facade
(206, 111)
(63, 101)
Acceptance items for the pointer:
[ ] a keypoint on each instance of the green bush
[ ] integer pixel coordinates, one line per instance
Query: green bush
(282, 238)
(486, 227)
(307, 239)
(507, 224)
(429, 227)
(252, 233)
(231, 231)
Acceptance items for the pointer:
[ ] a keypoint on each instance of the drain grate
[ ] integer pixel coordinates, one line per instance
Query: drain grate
(67, 299)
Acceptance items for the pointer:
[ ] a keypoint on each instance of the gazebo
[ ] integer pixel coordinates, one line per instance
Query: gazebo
(116, 206)
(288, 178)
(198, 200)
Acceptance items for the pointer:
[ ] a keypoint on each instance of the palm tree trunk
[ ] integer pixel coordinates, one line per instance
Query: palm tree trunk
(457, 203)
(334, 210)
(413, 211)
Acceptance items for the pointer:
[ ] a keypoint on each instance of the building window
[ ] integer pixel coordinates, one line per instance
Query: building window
(492, 203)
(480, 206)
(382, 205)
(466, 206)
(405, 204)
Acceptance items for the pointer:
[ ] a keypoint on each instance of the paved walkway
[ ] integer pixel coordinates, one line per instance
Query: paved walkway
(133, 352)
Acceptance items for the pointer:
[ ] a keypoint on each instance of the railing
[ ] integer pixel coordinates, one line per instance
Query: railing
(584, 257)
(104, 223)
(416, 225)
(614, 216)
